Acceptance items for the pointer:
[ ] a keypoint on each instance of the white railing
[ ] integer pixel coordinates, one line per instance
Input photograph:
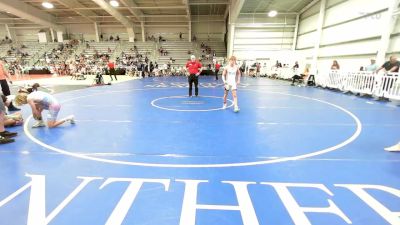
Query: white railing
(281, 73)
(385, 85)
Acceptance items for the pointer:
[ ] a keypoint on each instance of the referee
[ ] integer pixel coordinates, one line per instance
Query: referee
(194, 69)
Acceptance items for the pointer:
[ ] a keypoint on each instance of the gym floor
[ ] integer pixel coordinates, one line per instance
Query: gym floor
(142, 152)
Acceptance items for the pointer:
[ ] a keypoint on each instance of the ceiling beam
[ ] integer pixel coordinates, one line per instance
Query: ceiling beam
(132, 7)
(187, 7)
(30, 13)
(226, 12)
(75, 3)
(311, 4)
(209, 3)
(167, 15)
(112, 11)
(235, 9)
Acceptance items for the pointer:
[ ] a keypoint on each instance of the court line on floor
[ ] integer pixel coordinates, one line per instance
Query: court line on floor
(216, 165)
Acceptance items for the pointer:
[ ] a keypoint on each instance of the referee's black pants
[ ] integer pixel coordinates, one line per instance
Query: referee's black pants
(193, 79)
(4, 87)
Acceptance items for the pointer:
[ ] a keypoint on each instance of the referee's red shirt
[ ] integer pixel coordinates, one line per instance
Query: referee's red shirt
(193, 67)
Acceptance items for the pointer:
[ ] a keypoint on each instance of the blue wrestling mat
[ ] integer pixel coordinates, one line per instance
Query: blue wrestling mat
(143, 153)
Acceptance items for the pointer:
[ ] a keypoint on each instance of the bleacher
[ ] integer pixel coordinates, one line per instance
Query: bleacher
(31, 49)
(178, 50)
(143, 48)
(100, 47)
(63, 56)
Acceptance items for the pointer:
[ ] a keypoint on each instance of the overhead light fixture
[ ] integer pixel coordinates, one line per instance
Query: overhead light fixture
(48, 5)
(114, 3)
(272, 13)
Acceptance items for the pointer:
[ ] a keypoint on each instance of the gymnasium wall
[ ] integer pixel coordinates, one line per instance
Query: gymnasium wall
(351, 33)
(258, 36)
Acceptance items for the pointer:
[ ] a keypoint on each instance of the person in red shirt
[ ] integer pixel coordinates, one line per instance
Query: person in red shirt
(217, 67)
(4, 76)
(111, 69)
(194, 69)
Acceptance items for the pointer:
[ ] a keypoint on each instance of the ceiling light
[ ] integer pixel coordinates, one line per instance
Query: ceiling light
(114, 3)
(47, 5)
(272, 13)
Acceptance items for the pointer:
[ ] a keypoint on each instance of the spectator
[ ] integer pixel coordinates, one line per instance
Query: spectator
(296, 65)
(5, 136)
(194, 38)
(372, 67)
(111, 70)
(4, 76)
(390, 66)
(335, 65)
(217, 67)
(303, 76)
(101, 37)
(111, 38)
(180, 35)
(117, 38)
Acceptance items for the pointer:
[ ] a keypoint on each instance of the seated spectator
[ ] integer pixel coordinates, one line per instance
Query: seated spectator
(371, 67)
(117, 38)
(335, 65)
(303, 76)
(390, 66)
(111, 38)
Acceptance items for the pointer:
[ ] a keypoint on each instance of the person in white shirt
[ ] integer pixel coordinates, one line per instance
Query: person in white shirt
(231, 78)
(40, 101)
(372, 67)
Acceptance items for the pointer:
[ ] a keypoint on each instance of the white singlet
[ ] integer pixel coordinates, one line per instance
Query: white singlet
(231, 76)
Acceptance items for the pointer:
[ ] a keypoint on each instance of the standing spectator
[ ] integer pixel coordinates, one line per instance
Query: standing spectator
(296, 65)
(111, 70)
(101, 37)
(258, 69)
(390, 66)
(217, 67)
(4, 84)
(372, 67)
(180, 36)
(335, 65)
(194, 69)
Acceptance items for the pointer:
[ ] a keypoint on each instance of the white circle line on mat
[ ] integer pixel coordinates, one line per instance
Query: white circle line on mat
(216, 165)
